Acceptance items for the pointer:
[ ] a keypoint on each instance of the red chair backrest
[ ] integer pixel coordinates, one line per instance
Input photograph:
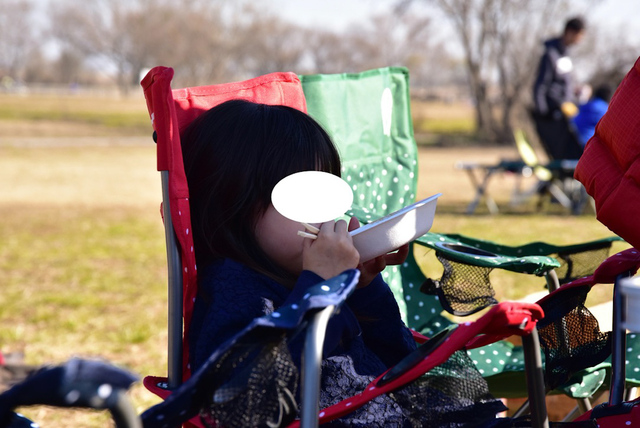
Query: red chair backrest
(171, 110)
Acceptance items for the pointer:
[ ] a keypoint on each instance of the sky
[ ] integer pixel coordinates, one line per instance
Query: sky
(339, 14)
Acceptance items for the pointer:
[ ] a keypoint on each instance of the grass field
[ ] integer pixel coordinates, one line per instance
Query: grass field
(82, 262)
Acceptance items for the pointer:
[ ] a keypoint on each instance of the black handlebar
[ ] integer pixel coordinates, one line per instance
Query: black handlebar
(77, 383)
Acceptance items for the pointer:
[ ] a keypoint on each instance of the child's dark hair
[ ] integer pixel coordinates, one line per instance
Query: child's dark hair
(603, 91)
(234, 154)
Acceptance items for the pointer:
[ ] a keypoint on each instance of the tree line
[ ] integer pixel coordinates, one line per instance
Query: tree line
(486, 52)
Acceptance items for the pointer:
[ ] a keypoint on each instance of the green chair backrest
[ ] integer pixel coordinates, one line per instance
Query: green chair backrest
(368, 115)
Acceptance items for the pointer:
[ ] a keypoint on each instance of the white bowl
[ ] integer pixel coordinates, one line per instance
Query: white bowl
(393, 231)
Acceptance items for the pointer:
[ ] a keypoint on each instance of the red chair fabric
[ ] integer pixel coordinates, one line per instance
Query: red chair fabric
(171, 111)
(610, 165)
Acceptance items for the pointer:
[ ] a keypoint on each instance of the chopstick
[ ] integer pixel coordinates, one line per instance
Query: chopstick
(307, 235)
(314, 231)
(310, 228)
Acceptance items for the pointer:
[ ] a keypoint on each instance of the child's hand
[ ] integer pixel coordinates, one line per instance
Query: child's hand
(332, 252)
(370, 269)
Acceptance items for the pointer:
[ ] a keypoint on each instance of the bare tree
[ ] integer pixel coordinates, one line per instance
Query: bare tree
(265, 43)
(499, 40)
(135, 35)
(88, 28)
(389, 39)
(615, 52)
(18, 38)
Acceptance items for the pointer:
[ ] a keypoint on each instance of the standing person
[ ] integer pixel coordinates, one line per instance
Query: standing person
(591, 112)
(554, 96)
(553, 89)
(251, 260)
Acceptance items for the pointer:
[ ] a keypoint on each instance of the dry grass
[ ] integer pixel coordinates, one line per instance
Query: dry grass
(72, 115)
(82, 262)
(442, 118)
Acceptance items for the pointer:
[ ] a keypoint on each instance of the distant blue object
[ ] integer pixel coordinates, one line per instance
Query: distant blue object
(588, 117)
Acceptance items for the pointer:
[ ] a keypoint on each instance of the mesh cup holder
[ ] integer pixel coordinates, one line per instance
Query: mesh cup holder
(464, 289)
(570, 336)
(254, 386)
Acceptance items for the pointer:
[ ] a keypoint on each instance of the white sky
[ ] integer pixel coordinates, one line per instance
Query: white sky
(338, 14)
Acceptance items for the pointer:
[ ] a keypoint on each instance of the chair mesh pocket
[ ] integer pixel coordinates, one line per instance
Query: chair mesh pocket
(453, 394)
(463, 289)
(575, 265)
(570, 336)
(257, 388)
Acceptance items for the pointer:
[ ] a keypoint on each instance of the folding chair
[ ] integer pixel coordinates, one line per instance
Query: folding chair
(377, 160)
(608, 169)
(555, 178)
(170, 111)
(480, 176)
(368, 116)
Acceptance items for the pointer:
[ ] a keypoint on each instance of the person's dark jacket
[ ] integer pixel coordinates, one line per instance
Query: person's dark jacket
(356, 349)
(553, 85)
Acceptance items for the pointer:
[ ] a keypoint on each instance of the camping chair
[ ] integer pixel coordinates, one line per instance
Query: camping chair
(555, 178)
(168, 108)
(170, 111)
(480, 175)
(377, 160)
(368, 116)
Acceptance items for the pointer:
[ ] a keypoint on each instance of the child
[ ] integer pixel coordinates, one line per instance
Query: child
(251, 260)
(591, 112)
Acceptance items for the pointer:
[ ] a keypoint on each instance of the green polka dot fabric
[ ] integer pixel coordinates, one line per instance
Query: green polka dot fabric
(502, 366)
(368, 117)
(633, 359)
(586, 382)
